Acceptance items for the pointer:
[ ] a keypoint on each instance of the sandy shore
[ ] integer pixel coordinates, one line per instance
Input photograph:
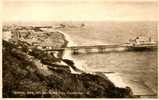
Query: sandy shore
(67, 53)
(114, 77)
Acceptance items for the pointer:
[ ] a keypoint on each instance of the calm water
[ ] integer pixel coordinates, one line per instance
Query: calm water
(137, 69)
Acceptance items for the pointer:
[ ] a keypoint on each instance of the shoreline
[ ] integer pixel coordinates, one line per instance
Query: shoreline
(67, 54)
(115, 78)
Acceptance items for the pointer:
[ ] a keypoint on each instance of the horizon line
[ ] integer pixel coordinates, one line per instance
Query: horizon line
(5, 22)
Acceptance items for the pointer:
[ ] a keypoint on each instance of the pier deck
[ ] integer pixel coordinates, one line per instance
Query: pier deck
(104, 48)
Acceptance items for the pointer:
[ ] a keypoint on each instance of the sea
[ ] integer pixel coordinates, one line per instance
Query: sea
(138, 70)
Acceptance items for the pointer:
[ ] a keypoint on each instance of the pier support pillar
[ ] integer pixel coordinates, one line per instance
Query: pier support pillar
(88, 50)
(75, 51)
(101, 50)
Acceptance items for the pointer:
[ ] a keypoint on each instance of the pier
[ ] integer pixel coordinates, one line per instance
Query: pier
(139, 90)
(104, 48)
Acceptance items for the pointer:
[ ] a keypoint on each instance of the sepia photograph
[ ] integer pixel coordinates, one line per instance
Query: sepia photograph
(80, 49)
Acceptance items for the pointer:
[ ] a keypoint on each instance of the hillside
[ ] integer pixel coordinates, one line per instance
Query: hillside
(35, 73)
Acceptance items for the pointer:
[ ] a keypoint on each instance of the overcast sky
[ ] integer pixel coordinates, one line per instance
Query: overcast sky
(50, 10)
(88, 0)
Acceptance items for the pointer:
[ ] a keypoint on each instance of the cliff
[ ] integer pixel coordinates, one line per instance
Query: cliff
(35, 73)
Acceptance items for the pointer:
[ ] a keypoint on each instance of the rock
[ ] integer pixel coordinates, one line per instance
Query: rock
(71, 64)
